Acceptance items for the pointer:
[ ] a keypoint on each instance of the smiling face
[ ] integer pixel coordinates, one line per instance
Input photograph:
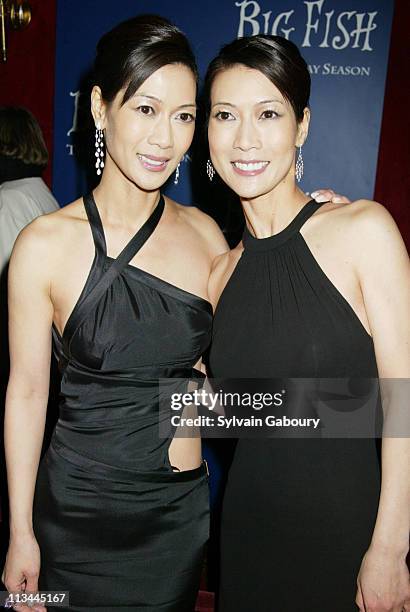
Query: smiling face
(252, 132)
(146, 137)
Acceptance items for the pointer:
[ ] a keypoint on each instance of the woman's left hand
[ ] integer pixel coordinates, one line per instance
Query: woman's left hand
(328, 195)
(383, 583)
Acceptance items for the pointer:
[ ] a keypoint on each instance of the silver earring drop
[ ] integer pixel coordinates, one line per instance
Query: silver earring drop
(176, 179)
(210, 170)
(99, 150)
(299, 166)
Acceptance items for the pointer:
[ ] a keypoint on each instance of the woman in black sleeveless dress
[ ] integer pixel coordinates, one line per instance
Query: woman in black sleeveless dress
(108, 503)
(120, 514)
(300, 514)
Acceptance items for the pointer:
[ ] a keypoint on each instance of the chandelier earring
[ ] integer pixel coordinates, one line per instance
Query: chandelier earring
(299, 166)
(210, 170)
(99, 150)
(176, 179)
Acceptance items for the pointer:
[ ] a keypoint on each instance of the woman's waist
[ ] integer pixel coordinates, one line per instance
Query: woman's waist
(113, 412)
(112, 458)
(100, 370)
(124, 395)
(114, 425)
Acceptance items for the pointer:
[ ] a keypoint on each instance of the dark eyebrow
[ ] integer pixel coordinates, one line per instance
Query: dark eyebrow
(150, 97)
(191, 105)
(144, 95)
(257, 103)
(224, 104)
(270, 101)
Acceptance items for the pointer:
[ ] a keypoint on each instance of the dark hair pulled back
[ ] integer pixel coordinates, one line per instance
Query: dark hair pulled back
(131, 52)
(274, 56)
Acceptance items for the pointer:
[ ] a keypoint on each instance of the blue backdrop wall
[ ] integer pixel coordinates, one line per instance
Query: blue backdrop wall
(345, 43)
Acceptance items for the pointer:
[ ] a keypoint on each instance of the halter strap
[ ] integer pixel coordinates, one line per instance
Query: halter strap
(95, 223)
(91, 299)
(251, 243)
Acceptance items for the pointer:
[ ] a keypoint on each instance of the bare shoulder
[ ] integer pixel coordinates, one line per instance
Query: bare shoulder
(203, 226)
(370, 212)
(365, 234)
(47, 235)
(370, 223)
(57, 220)
(362, 221)
(68, 214)
(223, 267)
(362, 211)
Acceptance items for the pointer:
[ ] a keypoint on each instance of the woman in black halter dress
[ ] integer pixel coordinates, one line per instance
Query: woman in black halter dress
(299, 514)
(120, 513)
(287, 498)
(108, 505)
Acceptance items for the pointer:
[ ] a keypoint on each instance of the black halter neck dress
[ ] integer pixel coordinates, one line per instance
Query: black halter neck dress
(117, 527)
(298, 513)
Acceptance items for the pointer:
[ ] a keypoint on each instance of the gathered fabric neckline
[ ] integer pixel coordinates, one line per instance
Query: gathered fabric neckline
(251, 243)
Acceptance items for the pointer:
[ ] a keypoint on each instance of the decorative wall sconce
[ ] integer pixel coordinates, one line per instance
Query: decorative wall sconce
(13, 13)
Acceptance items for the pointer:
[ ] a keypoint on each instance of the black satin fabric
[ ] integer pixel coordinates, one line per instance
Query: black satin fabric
(298, 514)
(117, 527)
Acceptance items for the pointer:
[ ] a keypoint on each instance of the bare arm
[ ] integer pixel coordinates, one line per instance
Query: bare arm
(384, 275)
(30, 320)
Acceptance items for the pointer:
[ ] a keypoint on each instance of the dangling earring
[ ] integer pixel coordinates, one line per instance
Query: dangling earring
(99, 149)
(299, 166)
(176, 179)
(210, 170)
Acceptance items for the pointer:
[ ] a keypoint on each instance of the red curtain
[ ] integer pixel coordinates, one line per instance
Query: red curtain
(27, 78)
(393, 169)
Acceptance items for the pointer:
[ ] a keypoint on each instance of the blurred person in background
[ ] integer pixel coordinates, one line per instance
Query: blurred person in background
(23, 193)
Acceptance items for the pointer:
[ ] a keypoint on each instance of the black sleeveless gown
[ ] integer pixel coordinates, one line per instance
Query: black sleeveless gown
(117, 527)
(298, 513)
